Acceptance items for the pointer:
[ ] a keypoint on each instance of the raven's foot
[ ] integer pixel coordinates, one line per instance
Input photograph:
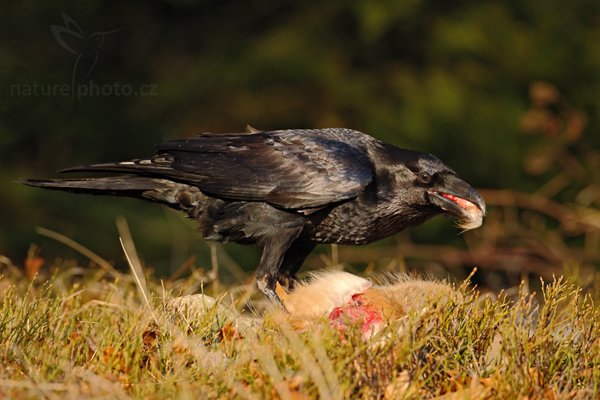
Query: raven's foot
(267, 284)
(288, 282)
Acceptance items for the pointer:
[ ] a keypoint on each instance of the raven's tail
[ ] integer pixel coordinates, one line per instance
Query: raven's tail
(179, 196)
(130, 186)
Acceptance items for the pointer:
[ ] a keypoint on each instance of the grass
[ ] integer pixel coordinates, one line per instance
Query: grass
(82, 333)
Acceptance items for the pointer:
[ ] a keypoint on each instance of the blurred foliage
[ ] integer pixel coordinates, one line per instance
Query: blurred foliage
(451, 78)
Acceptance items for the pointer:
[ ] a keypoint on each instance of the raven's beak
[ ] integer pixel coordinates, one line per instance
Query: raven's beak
(459, 199)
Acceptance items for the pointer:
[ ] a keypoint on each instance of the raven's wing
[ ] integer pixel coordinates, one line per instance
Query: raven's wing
(292, 169)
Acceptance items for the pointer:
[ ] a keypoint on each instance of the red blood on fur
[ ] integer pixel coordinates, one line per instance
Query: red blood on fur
(356, 310)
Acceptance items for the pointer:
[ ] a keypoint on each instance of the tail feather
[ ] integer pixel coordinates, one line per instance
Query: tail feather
(179, 196)
(131, 186)
(158, 167)
(105, 168)
(153, 166)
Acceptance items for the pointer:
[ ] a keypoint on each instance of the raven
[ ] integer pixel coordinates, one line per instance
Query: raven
(288, 190)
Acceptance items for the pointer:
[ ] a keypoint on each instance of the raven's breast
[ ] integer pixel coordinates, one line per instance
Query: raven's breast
(361, 222)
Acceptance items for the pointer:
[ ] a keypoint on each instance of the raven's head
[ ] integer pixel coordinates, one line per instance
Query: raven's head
(436, 188)
(457, 198)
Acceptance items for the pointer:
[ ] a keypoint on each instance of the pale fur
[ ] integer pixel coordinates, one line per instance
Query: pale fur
(399, 295)
(408, 296)
(323, 292)
(396, 296)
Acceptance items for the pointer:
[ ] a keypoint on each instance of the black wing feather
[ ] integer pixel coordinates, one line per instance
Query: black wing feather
(290, 169)
(293, 169)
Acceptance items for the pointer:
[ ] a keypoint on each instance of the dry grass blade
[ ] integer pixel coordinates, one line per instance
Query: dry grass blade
(102, 263)
(134, 262)
(308, 361)
(265, 357)
(214, 267)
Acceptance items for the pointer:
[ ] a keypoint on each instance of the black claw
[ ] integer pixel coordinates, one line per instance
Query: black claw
(266, 284)
(288, 282)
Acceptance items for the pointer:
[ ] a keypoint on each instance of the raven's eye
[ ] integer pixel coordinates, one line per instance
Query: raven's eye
(424, 177)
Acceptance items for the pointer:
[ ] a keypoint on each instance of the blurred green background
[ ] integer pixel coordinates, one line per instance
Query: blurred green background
(451, 78)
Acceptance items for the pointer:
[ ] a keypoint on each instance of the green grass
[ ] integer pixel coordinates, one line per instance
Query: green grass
(82, 334)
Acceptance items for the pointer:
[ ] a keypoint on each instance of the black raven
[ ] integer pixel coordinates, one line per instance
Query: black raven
(288, 190)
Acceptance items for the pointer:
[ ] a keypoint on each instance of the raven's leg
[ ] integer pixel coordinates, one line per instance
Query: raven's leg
(292, 261)
(269, 268)
(266, 284)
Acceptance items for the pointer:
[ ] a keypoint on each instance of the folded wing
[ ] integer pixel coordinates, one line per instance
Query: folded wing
(293, 169)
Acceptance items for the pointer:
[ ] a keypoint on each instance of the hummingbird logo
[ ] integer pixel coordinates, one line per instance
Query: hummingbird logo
(86, 47)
